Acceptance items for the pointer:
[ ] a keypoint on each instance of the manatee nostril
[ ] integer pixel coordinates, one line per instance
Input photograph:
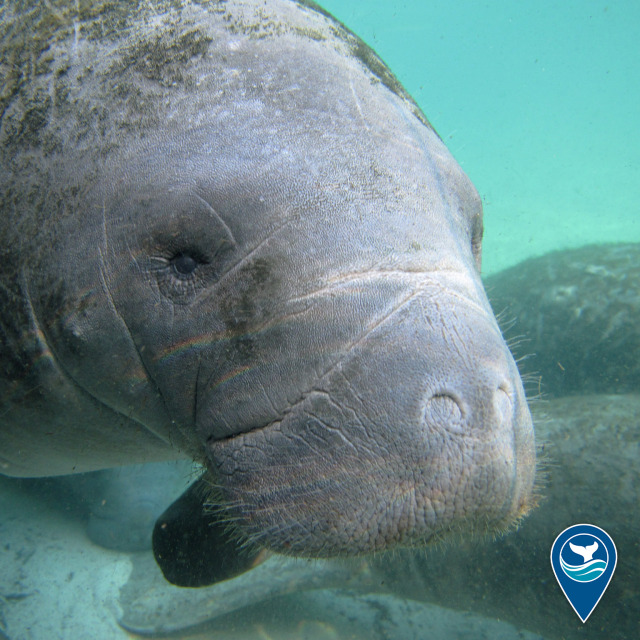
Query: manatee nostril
(503, 402)
(446, 410)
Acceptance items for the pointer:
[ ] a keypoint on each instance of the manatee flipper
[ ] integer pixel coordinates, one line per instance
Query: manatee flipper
(193, 546)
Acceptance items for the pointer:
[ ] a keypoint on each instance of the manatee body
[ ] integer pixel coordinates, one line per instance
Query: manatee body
(229, 235)
(579, 313)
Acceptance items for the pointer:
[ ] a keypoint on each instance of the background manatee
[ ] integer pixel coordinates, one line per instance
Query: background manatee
(118, 506)
(578, 313)
(124, 503)
(230, 235)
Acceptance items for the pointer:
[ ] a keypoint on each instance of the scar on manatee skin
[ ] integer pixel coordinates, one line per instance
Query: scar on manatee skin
(561, 367)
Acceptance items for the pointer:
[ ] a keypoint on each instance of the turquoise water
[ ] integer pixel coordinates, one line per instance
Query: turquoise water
(538, 101)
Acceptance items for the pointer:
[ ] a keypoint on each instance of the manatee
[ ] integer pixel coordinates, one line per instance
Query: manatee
(578, 311)
(229, 235)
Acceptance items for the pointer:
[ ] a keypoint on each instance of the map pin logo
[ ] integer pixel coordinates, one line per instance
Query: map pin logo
(583, 558)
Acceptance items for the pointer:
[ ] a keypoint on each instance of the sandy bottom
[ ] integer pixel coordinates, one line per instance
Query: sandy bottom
(54, 583)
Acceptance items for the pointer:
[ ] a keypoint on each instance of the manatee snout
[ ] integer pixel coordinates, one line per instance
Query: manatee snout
(420, 430)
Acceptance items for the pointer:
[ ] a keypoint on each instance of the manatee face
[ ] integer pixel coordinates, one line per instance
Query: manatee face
(276, 271)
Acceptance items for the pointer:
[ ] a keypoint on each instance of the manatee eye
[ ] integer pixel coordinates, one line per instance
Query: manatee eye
(180, 273)
(183, 265)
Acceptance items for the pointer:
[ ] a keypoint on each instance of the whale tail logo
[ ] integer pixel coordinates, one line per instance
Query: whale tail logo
(585, 552)
(591, 568)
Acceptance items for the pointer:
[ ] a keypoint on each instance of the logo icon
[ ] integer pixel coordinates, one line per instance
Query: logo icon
(583, 558)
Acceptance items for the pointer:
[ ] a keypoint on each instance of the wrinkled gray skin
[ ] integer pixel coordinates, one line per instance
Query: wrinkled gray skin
(228, 234)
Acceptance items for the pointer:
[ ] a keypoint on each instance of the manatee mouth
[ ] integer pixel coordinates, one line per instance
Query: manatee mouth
(420, 430)
(315, 485)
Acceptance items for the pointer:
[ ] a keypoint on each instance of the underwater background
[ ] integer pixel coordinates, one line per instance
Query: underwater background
(539, 102)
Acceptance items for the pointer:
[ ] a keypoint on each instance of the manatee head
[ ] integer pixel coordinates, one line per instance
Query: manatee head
(264, 254)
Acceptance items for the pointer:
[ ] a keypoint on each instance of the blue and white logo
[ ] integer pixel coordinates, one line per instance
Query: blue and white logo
(583, 558)
(583, 546)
